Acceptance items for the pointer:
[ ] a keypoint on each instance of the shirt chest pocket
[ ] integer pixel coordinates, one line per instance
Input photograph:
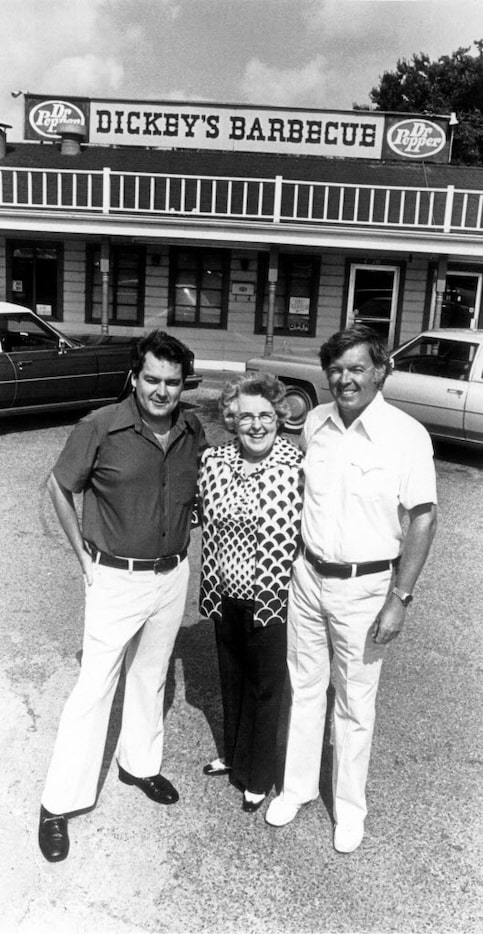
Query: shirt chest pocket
(185, 482)
(369, 479)
(319, 477)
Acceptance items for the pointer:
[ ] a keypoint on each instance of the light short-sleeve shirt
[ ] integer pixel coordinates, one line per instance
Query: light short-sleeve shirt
(361, 480)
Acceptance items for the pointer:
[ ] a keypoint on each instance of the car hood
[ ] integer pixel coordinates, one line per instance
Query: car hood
(301, 356)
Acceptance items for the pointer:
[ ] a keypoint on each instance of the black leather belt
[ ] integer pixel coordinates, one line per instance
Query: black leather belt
(158, 565)
(329, 569)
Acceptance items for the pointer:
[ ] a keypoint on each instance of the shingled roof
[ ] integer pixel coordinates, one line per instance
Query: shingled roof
(252, 165)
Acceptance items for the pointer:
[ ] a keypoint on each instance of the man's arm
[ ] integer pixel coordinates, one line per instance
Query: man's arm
(63, 501)
(420, 534)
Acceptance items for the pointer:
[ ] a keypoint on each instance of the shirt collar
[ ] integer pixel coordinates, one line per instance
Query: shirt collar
(129, 416)
(282, 452)
(369, 420)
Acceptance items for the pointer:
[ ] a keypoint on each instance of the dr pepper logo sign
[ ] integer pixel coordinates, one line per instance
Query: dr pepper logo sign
(416, 138)
(44, 117)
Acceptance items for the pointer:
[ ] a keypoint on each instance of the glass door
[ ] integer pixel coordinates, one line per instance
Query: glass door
(461, 300)
(373, 297)
(34, 277)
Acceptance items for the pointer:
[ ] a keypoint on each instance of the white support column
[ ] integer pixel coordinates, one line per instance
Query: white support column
(440, 289)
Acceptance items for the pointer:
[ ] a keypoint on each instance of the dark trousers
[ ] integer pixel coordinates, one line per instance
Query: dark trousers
(252, 663)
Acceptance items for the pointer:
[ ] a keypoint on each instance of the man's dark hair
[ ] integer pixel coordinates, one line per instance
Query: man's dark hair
(351, 337)
(164, 347)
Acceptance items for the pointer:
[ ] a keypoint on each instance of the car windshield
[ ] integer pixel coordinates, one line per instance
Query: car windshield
(22, 331)
(436, 356)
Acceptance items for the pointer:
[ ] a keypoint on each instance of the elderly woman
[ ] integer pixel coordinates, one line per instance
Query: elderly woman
(250, 497)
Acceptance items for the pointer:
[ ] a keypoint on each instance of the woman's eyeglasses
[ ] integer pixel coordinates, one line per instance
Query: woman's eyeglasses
(247, 419)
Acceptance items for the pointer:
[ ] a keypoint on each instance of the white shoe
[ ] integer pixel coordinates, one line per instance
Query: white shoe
(281, 812)
(252, 797)
(348, 837)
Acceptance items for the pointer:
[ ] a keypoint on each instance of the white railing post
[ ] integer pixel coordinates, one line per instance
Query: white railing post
(106, 190)
(277, 199)
(448, 208)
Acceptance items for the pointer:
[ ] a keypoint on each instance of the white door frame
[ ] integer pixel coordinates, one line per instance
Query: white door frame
(377, 267)
(469, 274)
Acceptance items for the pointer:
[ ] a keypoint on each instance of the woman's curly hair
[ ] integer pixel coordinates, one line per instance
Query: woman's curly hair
(265, 385)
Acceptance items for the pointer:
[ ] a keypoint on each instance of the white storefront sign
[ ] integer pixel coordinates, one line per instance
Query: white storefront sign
(197, 126)
(347, 134)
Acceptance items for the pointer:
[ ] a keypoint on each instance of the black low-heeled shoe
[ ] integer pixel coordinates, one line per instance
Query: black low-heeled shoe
(251, 806)
(53, 836)
(212, 769)
(156, 787)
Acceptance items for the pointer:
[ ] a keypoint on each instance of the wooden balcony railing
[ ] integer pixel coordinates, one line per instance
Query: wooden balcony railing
(269, 200)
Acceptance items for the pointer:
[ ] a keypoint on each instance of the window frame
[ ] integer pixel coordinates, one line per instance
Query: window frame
(398, 269)
(198, 253)
(35, 245)
(115, 251)
(261, 294)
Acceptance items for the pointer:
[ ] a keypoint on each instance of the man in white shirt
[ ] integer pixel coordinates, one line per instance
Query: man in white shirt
(367, 466)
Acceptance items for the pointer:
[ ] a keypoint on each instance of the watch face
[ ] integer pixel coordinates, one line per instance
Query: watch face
(405, 598)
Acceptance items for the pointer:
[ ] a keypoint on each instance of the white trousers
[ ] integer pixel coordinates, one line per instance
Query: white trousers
(328, 620)
(133, 616)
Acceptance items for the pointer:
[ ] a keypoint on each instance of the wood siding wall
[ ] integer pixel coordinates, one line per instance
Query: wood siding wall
(238, 342)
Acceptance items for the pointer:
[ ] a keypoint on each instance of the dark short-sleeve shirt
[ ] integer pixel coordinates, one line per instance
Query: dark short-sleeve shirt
(137, 499)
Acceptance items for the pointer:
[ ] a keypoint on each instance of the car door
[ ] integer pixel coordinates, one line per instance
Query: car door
(474, 402)
(430, 381)
(48, 371)
(7, 380)
(114, 357)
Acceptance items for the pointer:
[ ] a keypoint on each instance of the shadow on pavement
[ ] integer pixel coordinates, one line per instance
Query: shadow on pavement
(195, 647)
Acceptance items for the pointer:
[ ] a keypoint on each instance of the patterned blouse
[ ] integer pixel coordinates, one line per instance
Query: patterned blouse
(250, 529)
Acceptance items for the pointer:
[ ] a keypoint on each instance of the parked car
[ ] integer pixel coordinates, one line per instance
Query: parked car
(437, 377)
(41, 369)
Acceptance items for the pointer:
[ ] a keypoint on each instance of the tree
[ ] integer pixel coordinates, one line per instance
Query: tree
(453, 83)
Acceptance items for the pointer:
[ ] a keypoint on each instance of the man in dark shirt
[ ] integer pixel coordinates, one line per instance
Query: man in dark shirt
(136, 464)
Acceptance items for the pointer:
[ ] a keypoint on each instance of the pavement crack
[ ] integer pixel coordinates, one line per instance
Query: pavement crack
(30, 713)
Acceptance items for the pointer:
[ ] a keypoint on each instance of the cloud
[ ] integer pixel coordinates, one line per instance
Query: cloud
(84, 75)
(304, 86)
(83, 47)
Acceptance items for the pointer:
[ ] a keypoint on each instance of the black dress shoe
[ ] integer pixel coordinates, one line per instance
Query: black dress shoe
(157, 788)
(53, 836)
(214, 769)
(251, 806)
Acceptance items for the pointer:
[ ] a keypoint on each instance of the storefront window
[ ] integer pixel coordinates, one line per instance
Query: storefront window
(295, 296)
(35, 276)
(198, 287)
(126, 285)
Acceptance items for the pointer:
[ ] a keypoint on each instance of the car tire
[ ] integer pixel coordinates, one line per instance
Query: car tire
(301, 402)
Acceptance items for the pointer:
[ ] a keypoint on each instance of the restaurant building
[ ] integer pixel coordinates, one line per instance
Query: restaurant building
(242, 230)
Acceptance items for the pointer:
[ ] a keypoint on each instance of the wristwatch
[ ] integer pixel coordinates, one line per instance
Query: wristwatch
(405, 598)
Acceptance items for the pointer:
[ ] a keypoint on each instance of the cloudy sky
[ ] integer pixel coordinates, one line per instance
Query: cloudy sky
(304, 53)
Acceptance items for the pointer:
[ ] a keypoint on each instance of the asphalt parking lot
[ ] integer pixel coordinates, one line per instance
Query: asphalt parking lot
(204, 866)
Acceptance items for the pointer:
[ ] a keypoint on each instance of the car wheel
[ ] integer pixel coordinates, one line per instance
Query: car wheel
(300, 402)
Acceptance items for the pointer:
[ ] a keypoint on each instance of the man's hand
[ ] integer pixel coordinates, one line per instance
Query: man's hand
(63, 502)
(420, 533)
(86, 564)
(389, 621)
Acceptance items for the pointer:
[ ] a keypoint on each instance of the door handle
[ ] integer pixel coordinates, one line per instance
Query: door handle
(456, 392)
(24, 363)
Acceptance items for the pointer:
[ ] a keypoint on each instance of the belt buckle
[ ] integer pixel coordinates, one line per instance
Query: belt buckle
(168, 563)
